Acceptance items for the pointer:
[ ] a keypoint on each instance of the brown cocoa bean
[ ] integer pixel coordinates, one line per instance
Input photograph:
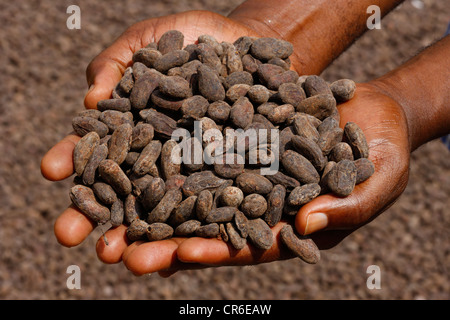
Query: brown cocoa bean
(280, 178)
(341, 179)
(299, 167)
(120, 143)
(187, 228)
(281, 113)
(175, 87)
(162, 211)
(304, 194)
(159, 231)
(137, 230)
(274, 82)
(147, 56)
(242, 112)
(117, 213)
(121, 104)
(83, 151)
(199, 181)
(211, 230)
(268, 48)
(153, 193)
(148, 157)
(304, 128)
(291, 93)
(222, 214)
(163, 125)
(98, 155)
(219, 111)
(315, 85)
(253, 183)
(260, 233)
(83, 125)
(258, 94)
(111, 172)
(141, 135)
(104, 193)
(356, 139)
(172, 59)
(195, 107)
(343, 89)
(204, 204)
(208, 56)
(254, 205)
(275, 204)
(310, 150)
(143, 87)
(209, 84)
(320, 106)
(231, 197)
(340, 152)
(364, 169)
(234, 237)
(236, 91)
(184, 211)
(133, 209)
(114, 119)
(328, 139)
(301, 246)
(171, 40)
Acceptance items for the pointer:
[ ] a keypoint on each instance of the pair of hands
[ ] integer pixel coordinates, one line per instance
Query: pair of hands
(381, 118)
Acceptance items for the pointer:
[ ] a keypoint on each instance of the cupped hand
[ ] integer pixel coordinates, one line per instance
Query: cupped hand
(380, 117)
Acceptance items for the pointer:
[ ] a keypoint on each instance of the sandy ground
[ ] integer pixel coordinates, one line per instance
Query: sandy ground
(42, 80)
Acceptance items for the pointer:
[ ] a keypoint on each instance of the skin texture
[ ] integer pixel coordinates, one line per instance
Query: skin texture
(392, 132)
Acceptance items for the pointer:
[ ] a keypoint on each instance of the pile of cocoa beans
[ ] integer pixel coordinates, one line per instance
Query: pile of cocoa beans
(142, 158)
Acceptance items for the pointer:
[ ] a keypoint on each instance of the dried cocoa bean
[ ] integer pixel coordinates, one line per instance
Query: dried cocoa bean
(120, 143)
(260, 234)
(187, 228)
(356, 139)
(111, 172)
(83, 125)
(343, 89)
(117, 213)
(310, 150)
(83, 151)
(231, 197)
(222, 214)
(304, 194)
(159, 231)
(275, 204)
(148, 157)
(165, 206)
(199, 181)
(211, 230)
(121, 104)
(234, 237)
(98, 155)
(268, 48)
(171, 40)
(341, 179)
(253, 183)
(153, 193)
(299, 167)
(364, 169)
(137, 230)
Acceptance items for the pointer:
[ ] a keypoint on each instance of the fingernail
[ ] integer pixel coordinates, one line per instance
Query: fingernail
(315, 222)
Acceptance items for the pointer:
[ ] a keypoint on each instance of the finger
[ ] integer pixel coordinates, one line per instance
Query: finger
(72, 227)
(148, 257)
(112, 245)
(215, 252)
(57, 164)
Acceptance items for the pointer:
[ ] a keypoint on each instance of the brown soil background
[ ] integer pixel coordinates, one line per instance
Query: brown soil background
(42, 81)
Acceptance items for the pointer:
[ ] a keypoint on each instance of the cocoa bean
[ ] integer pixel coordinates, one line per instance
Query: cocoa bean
(83, 151)
(111, 172)
(260, 234)
(304, 194)
(275, 204)
(159, 231)
(301, 246)
(84, 199)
